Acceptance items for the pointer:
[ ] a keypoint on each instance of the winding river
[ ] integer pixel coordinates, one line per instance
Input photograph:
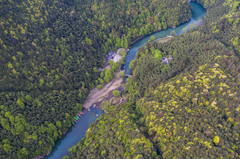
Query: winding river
(75, 134)
(198, 13)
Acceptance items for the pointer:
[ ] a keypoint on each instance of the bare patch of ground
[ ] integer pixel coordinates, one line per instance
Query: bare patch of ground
(97, 96)
(164, 40)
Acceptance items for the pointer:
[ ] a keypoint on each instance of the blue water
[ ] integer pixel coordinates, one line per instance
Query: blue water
(74, 135)
(198, 13)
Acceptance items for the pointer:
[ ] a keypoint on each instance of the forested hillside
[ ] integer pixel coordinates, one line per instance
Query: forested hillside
(118, 137)
(188, 108)
(49, 55)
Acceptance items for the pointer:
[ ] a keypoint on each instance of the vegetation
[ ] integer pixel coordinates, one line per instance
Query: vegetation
(194, 115)
(108, 74)
(116, 93)
(188, 108)
(50, 55)
(116, 138)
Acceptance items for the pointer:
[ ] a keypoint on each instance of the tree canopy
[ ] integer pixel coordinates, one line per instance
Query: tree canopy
(50, 55)
(186, 109)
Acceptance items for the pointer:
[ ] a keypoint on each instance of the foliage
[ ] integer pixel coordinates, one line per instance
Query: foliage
(118, 137)
(188, 108)
(216, 140)
(188, 51)
(116, 93)
(108, 74)
(50, 52)
(191, 107)
(152, 38)
(187, 115)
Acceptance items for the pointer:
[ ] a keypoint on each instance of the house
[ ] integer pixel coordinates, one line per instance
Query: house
(116, 58)
(166, 60)
(112, 56)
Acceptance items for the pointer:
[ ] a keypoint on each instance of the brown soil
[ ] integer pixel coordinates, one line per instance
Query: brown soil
(97, 96)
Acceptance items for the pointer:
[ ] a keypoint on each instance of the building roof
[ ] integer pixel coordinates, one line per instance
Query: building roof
(112, 56)
(116, 58)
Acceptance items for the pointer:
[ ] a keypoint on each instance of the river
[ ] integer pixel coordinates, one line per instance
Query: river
(198, 13)
(75, 134)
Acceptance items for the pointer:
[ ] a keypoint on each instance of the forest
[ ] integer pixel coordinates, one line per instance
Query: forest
(188, 108)
(50, 52)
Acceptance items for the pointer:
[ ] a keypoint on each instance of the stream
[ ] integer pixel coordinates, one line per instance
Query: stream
(76, 133)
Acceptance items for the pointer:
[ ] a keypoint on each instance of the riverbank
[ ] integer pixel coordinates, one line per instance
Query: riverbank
(74, 134)
(97, 96)
(171, 27)
(91, 107)
(164, 40)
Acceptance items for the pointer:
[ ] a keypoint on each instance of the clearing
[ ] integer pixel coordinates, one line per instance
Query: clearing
(98, 95)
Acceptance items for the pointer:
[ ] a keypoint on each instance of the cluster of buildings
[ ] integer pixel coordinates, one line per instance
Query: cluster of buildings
(113, 56)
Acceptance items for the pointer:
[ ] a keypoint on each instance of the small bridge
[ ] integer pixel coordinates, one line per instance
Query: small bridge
(128, 75)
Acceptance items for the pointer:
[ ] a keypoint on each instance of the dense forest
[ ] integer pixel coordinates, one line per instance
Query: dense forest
(50, 52)
(117, 135)
(188, 108)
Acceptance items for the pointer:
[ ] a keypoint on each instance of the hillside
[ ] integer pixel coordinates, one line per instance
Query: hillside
(186, 109)
(50, 52)
(194, 115)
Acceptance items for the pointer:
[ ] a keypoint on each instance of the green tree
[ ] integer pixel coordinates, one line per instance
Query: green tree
(20, 103)
(116, 93)
(23, 153)
(7, 147)
(131, 65)
(157, 54)
(152, 38)
(59, 124)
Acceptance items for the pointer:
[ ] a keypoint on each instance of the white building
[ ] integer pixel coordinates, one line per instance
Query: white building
(116, 58)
